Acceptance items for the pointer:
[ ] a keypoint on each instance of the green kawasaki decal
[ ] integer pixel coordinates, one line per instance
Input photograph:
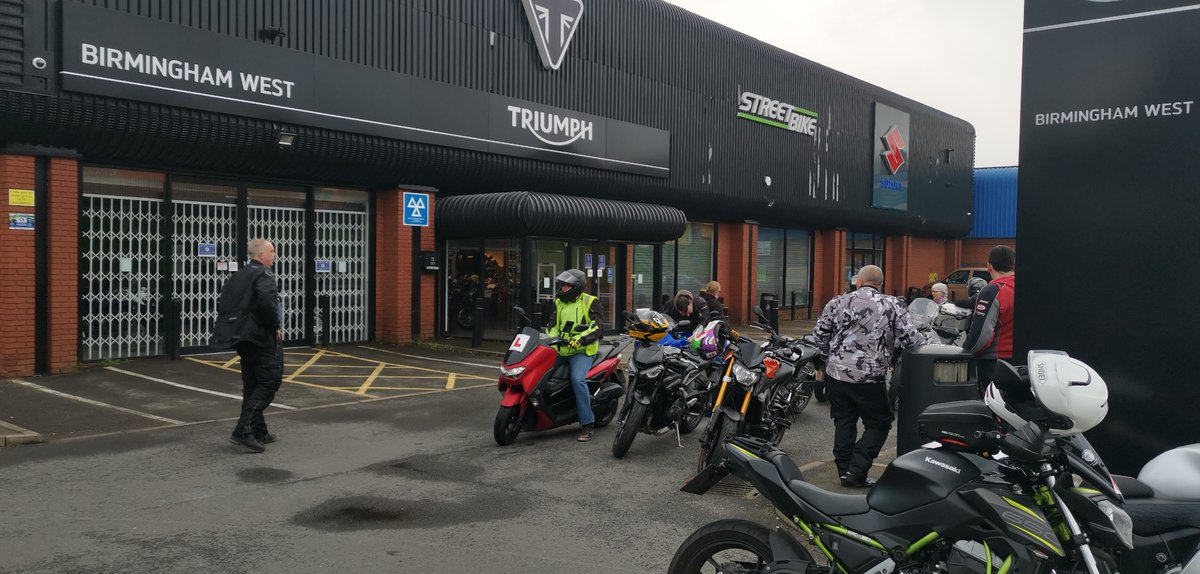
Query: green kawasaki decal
(777, 114)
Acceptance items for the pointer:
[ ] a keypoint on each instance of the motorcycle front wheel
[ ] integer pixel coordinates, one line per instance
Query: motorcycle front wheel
(508, 425)
(724, 546)
(629, 428)
(722, 426)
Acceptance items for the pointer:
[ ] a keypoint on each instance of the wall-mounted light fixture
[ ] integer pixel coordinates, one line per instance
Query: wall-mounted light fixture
(272, 33)
(286, 138)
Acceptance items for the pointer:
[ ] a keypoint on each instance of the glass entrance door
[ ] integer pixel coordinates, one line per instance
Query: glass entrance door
(599, 263)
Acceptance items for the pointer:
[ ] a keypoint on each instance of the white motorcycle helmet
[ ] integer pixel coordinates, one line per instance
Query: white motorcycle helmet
(1072, 395)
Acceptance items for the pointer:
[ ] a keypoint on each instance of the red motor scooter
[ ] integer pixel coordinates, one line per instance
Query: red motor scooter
(537, 396)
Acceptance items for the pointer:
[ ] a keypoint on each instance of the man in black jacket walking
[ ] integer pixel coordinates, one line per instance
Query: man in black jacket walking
(249, 319)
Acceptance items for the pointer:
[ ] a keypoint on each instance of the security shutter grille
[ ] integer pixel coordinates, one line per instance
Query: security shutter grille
(121, 267)
(198, 280)
(284, 227)
(342, 239)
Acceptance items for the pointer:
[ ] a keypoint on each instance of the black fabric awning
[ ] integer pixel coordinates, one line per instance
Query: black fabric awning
(524, 213)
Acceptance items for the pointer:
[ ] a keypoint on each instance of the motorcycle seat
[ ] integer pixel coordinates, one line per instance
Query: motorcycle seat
(1132, 487)
(604, 351)
(828, 502)
(1153, 516)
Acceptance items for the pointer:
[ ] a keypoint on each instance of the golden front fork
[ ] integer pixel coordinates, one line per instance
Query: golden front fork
(724, 385)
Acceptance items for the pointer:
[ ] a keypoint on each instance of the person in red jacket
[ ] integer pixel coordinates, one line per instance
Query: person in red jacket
(991, 333)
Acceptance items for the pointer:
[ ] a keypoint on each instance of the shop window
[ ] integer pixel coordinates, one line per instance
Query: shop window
(783, 264)
(688, 261)
(643, 276)
(491, 273)
(862, 249)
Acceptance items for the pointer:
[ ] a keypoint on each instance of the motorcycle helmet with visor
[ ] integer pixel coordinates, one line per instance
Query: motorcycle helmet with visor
(569, 284)
(648, 325)
(1068, 396)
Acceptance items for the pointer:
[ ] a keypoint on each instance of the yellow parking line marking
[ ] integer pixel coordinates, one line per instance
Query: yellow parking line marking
(230, 362)
(362, 390)
(289, 379)
(397, 365)
(427, 389)
(450, 381)
(416, 377)
(305, 366)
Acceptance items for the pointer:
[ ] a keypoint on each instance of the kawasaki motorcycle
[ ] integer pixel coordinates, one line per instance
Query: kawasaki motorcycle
(1163, 501)
(946, 510)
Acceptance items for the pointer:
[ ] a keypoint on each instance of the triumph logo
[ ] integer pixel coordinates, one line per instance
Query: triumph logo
(554, 23)
(948, 467)
(551, 128)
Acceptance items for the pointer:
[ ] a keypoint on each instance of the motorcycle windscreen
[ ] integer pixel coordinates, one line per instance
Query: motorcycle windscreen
(522, 345)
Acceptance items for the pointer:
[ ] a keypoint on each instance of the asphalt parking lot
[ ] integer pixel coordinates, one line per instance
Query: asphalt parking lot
(152, 393)
(399, 475)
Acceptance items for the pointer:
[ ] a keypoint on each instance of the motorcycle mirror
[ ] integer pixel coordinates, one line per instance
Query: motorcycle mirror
(524, 320)
(758, 311)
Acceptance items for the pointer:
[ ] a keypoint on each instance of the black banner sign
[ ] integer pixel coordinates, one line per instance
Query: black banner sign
(1106, 221)
(119, 55)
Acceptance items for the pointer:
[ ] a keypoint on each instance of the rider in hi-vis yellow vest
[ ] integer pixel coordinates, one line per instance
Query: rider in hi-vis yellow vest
(577, 319)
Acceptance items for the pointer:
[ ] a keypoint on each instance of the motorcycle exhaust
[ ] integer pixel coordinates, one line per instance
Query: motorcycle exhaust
(608, 391)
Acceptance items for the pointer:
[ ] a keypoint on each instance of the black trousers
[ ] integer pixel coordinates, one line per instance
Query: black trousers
(849, 402)
(262, 373)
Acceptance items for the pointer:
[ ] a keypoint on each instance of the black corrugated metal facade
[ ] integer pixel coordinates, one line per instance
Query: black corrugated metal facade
(639, 61)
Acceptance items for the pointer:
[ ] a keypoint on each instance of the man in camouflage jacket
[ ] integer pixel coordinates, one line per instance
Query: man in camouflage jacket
(858, 335)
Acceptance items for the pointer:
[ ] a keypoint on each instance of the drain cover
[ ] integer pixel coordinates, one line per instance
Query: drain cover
(736, 488)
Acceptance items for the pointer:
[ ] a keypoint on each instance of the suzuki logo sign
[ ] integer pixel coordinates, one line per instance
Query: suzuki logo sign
(554, 23)
(893, 150)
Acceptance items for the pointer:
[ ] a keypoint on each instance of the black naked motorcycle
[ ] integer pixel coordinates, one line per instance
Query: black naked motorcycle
(757, 393)
(666, 392)
(794, 393)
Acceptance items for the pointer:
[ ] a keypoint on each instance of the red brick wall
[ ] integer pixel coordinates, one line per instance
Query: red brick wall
(737, 267)
(63, 251)
(829, 260)
(896, 258)
(393, 274)
(925, 256)
(17, 269)
(975, 251)
(17, 266)
(954, 253)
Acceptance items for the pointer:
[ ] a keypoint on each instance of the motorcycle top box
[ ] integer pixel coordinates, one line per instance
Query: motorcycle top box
(959, 425)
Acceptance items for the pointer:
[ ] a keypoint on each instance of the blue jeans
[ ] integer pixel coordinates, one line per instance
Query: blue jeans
(579, 364)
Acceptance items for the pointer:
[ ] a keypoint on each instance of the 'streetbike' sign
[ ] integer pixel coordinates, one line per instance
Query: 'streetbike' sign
(777, 113)
(115, 54)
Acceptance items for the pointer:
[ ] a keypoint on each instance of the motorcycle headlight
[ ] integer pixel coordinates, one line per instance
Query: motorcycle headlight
(652, 372)
(1121, 521)
(512, 372)
(744, 376)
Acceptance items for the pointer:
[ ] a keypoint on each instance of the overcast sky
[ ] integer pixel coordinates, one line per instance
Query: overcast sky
(960, 56)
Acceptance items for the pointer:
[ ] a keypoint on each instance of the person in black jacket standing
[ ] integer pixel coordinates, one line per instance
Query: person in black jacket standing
(250, 315)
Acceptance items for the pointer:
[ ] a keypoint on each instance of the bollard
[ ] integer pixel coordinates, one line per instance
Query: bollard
(175, 330)
(324, 308)
(477, 322)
